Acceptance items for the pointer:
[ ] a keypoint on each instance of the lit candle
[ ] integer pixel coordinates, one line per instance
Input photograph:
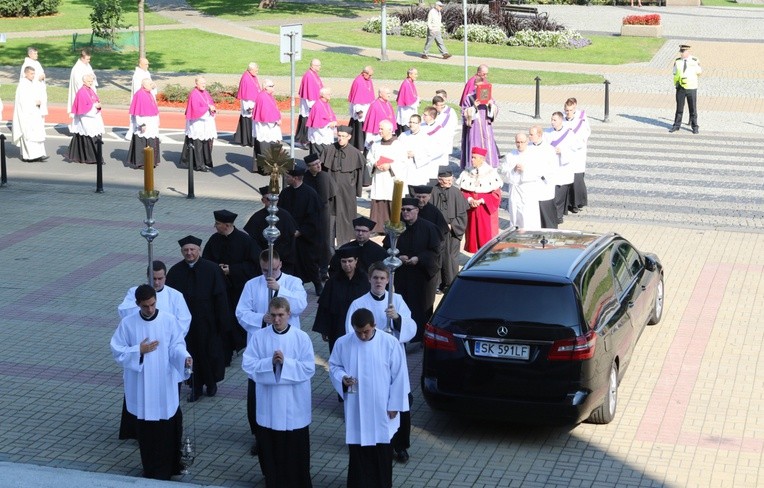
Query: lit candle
(395, 213)
(148, 169)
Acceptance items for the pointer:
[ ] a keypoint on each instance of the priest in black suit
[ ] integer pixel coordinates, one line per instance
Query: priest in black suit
(418, 248)
(237, 254)
(369, 251)
(302, 202)
(452, 204)
(202, 284)
(286, 225)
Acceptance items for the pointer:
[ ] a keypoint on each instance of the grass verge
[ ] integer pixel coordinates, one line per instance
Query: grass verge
(603, 50)
(195, 51)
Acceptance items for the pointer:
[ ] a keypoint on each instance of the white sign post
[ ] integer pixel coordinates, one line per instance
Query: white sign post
(291, 51)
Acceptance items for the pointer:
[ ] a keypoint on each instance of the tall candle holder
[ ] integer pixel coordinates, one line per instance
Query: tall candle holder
(392, 262)
(149, 199)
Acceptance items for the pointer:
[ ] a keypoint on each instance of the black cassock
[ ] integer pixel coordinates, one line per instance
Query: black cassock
(432, 214)
(326, 189)
(416, 283)
(371, 252)
(203, 287)
(345, 165)
(452, 204)
(305, 207)
(242, 255)
(284, 245)
(334, 302)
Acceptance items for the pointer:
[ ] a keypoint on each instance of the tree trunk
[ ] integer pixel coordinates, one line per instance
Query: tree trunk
(141, 30)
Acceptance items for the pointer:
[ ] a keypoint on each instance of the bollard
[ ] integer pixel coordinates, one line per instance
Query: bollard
(538, 98)
(3, 169)
(607, 102)
(99, 164)
(191, 164)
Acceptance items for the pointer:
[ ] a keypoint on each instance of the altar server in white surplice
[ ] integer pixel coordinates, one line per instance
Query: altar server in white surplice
(522, 172)
(399, 316)
(150, 346)
(169, 300)
(38, 80)
(28, 120)
(279, 359)
(368, 368)
(252, 314)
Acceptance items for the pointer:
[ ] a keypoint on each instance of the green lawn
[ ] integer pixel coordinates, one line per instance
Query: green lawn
(728, 3)
(603, 50)
(75, 14)
(200, 52)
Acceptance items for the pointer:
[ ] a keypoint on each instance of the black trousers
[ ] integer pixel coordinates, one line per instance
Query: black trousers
(370, 466)
(691, 95)
(450, 265)
(251, 406)
(159, 443)
(548, 213)
(402, 438)
(561, 200)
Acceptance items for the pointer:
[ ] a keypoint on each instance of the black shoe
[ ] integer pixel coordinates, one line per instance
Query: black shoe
(560, 220)
(212, 390)
(695, 131)
(402, 456)
(446, 56)
(194, 396)
(573, 209)
(253, 450)
(424, 56)
(673, 129)
(42, 159)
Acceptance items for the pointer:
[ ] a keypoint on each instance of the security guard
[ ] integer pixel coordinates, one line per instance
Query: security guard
(686, 71)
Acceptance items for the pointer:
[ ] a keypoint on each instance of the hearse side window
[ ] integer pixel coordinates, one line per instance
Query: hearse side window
(626, 265)
(597, 290)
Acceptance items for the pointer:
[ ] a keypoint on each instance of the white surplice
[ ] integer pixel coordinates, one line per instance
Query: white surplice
(283, 391)
(28, 121)
(151, 383)
(254, 300)
(379, 366)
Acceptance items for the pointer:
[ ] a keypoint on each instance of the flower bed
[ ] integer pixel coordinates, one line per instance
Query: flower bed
(224, 100)
(652, 19)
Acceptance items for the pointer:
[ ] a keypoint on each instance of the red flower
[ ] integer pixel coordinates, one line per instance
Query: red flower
(652, 19)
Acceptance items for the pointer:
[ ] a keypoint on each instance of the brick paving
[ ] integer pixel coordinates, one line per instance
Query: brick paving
(691, 409)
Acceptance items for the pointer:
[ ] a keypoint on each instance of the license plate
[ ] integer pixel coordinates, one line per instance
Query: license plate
(503, 351)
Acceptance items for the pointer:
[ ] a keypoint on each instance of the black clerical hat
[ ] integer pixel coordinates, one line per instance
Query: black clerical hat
(683, 47)
(190, 240)
(225, 216)
(445, 173)
(265, 190)
(310, 158)
(348, 252)
(297, 171)
(364, 222)
(344, 128)
(412, 202)
(420, 189)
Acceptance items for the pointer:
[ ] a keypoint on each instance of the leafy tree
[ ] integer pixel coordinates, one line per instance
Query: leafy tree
(106, 18)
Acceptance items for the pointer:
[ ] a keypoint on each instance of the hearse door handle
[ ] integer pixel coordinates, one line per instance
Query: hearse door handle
(631, 304)
(644, 287)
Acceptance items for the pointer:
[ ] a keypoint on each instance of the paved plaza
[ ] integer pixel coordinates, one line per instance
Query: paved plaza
(691, 406)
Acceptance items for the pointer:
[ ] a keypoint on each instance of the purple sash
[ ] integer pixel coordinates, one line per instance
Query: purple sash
(555, 143)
